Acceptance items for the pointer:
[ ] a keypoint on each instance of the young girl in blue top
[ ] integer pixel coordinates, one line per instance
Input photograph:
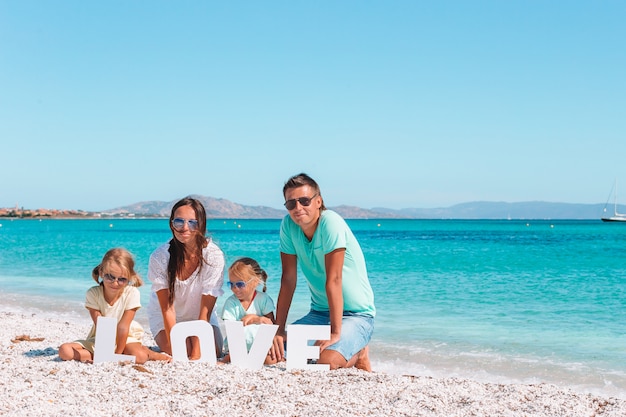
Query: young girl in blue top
(248, 305)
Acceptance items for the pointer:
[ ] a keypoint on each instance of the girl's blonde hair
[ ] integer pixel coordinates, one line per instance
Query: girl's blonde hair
(124, 260)
(249, 268)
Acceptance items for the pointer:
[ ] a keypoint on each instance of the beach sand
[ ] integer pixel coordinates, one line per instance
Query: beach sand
(34, 382)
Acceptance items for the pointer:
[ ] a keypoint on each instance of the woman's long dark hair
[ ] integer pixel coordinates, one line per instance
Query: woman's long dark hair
(177, 249)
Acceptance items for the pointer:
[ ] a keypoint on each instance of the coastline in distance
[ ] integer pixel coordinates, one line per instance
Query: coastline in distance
(222, 208)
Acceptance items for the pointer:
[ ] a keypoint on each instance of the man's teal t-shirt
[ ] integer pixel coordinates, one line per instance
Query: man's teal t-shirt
(332, 233)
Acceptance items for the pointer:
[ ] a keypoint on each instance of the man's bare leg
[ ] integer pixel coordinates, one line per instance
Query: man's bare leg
(363, 359)
(333, 358)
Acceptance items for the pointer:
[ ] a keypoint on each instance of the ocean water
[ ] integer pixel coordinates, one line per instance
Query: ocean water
(496, 301)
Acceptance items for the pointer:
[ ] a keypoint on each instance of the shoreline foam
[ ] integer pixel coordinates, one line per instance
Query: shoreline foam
(35, 382)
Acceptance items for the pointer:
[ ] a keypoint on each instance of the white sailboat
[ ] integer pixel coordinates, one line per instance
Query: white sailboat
(616, 217)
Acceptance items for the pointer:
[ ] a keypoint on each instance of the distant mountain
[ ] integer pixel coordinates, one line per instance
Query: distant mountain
(222, 208)
(503, 210)
(215, 208)
(351, 212)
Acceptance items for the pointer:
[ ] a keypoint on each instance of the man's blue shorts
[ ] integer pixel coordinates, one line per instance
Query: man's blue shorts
(356, 330)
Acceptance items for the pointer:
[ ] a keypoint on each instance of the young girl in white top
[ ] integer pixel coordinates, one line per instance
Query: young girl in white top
(116, 295)
(248, 305)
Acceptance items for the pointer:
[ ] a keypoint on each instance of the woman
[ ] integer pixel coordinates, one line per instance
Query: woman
(187, 275)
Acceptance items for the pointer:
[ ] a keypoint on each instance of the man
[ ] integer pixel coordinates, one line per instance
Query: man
(333, 264)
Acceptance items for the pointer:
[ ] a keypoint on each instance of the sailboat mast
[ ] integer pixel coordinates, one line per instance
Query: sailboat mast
(617, 217)
(615, 197)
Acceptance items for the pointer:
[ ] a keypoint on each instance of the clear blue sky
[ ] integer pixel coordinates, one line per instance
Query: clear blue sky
(387, 104)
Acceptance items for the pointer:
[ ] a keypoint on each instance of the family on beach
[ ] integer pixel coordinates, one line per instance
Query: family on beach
(187, 275)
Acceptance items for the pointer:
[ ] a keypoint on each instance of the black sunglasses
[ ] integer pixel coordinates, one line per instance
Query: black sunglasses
(304, 201)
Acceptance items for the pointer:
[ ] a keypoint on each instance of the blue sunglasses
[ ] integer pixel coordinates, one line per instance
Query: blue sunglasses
(239, 284)
(179, 224)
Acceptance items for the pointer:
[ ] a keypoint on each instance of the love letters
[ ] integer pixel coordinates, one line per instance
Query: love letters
(299, 350)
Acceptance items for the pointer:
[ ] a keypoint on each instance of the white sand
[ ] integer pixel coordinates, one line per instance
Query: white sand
(34, 382)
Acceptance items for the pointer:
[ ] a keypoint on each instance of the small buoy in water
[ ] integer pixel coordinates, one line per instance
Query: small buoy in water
(110, 224)
(551, 226)
(238, 225)
(378, 225)
(527, 224)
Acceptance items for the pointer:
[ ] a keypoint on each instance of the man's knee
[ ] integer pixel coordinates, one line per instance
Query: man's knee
(332, 358)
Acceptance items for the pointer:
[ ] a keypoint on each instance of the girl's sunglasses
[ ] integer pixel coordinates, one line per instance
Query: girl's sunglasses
(110, 278)
(304, 201)
(240, 285)
(179, 224)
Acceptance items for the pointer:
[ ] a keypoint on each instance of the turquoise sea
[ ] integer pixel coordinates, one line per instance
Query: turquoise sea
(496, 301)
